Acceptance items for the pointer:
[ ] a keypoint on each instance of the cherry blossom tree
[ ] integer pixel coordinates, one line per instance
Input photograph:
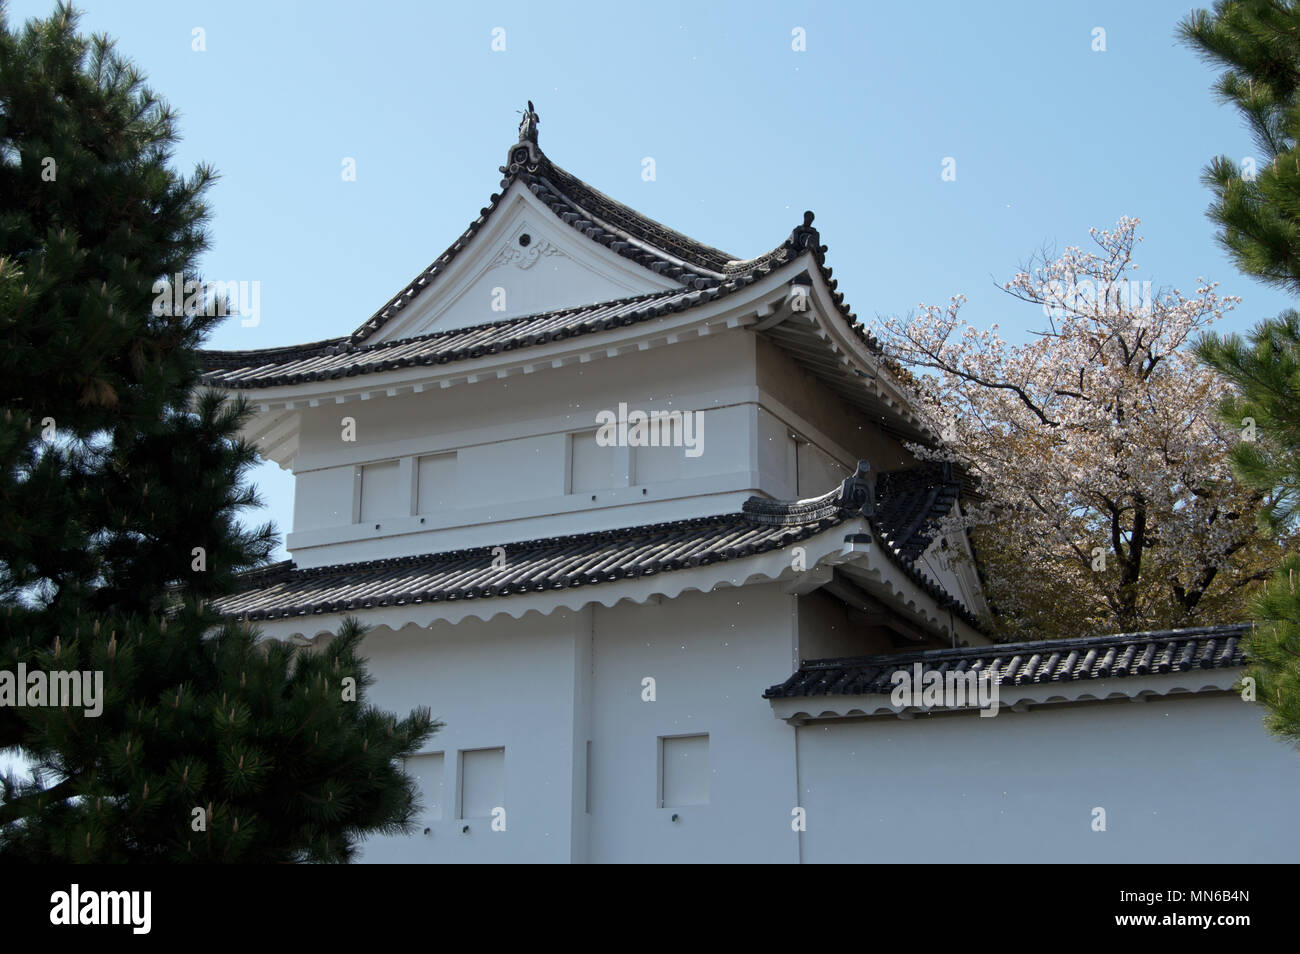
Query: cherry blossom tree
(1106, 500)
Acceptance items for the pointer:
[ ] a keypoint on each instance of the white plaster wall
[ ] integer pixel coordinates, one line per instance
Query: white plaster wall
(509, 471)
(1182, 779)
(671, 377)
(775, 450)
(1185, 778)
(711, 656)
(323, 498)
(508, 683)
(826, 631)
(556, 280)
(954, 569)
(543, 687)
(511, 441)
(510, 434)
(819, 471)
(820, 416)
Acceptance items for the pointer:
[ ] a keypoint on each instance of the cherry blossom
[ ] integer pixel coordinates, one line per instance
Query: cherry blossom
(1108, 502)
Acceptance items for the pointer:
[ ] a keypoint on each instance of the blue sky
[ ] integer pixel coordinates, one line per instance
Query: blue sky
(1049, 137)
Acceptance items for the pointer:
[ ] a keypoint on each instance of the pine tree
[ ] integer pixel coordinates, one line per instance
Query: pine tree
(1265, 408)
(1257, 208)
(1265, 369)
(121, 487)
(1274, 649)
(1257, 42)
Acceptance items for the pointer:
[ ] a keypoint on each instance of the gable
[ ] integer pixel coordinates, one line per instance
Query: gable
(522, 261)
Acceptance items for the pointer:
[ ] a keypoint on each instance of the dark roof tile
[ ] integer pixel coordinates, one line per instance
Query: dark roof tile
(580, 559)
(339, 357)
(534, 565)
(1061, 660)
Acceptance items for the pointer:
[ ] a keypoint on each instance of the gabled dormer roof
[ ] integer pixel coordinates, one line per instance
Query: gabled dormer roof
(685, 262)
(651, 274)
(693, 273)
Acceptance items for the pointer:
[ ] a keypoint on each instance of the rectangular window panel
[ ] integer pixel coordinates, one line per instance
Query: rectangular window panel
(591, 466)
(436, 482)
(657, 465)
(427, 770)
(684, 771)
(482, 782)
(379, 491)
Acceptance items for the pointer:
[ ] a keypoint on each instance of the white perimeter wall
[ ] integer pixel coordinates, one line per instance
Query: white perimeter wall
(1182, 779)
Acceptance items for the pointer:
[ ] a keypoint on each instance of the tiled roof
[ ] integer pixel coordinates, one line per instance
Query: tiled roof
(556, 186)
(535, 565)
(1044, 661)
(704, 272)
(904, 507)
(909, 502)
(664, 251)
(575, 560)
(341, 358)
(621, 229)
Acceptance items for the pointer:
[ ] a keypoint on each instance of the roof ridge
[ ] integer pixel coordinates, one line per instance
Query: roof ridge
(1046, 663)
(653, 245)
(678, 545)
(531, 544)
(350, 348)
(212, 358)
(572, 182)
(647, 249)
(1020, 648)
(603, 316)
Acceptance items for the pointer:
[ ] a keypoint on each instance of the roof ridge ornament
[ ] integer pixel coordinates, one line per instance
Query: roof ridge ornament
(855, 497)
(528, 125)
(805, 237)
(524, 154)
(858, 492)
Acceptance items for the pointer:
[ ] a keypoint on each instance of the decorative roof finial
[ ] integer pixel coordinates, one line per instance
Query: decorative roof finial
(528, 125)
(806, 237)
(858, 493)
